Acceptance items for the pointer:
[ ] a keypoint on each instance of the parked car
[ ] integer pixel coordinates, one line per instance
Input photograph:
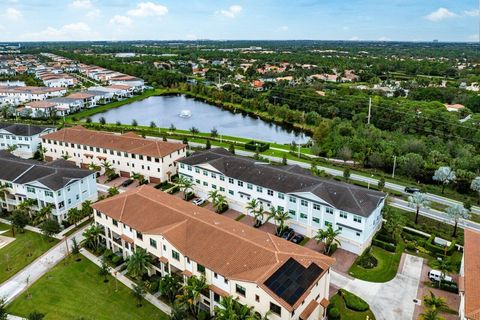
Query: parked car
(297, 238)
(199, 201)
(435, 275)
(412, 189)
(127, 182)
(288, 234)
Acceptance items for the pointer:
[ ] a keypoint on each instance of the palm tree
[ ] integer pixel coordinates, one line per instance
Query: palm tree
(107, 166)
(186, 185)
(443, 266)
(213, 195)
(43, 214)
(220, 203)
(138, 263)
(3, 311)
(4, 192)
(457, 212)
(138, 292)
(231, 309)
(169, 287)
(87, 209)
(91, 236)
(279, 217)
(94, 167)
(74, 216)
(178, 311)
(329, 236)
(194, 131)
(256, 209)
(434, 302)
(113, 191)
(191, 293)
(418, 200)
(394, 221)
(41, 151)
(26, 206)
(138, 177)
(66, 156)
(104, 270)
(430, 314)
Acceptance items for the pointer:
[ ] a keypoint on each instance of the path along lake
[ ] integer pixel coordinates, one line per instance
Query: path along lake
(166, 110)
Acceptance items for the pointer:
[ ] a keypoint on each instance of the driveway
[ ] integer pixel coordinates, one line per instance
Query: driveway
(389, 300)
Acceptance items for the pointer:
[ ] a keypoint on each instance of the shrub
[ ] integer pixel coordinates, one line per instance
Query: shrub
(333, 248)
(153, 287)
(353, 302)
(117, 260)
(367, 260)
(174, 190)
(257, 146)
(435, 249)
(333, 313)
(385, 238)
(387, 246)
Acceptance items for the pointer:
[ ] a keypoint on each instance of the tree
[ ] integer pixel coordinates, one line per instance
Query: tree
(102, 121)
(444, 175)
(138, 263)
(50, 227)
(475, 186)
(172, 127)
(19, 221)
(74, 216)
(194, 131)
(186, 186)
(91, 237)
(456, 212)
(87, 209)
(66, 156)
(418, 201)
(394, 221)
(108, 169)
(191, 293)
(4, 191)
(231, 309)
(104, 270)
(138, 177)
(208, 145)
(43, 214)
(138, 293)
(214, 132)
(444, 265)
(280, 217)
(178, 311)
(346, 174)
(3, 311)
(134, 123)
(256, 209)
(329, 236)
(113, 191)
(430, 314)
(94, 167)
(381, 184)
(35, 315)
(153, 125)
(284, 159)
(169, 287)
(434, 302)
(75, 247)
(231, 148)
(220, 204)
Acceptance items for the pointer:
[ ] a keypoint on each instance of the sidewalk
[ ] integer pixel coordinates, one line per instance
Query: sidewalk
(14, 286)
(129, 283)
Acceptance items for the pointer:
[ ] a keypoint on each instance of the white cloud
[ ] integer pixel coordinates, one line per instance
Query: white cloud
(384, 39)
(81, 4)
(148, 9)
(231, 12)
(440, 14)
(472, 13)
(283, 28)
(12, 14)
(354, 38)
(94, 14)
(121, 21)
(68, 32)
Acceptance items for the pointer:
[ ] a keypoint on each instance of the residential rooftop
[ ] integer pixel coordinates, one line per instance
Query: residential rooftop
(25, 130)
(472, 274)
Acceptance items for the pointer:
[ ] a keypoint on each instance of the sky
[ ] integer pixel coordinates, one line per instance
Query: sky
(385, 20)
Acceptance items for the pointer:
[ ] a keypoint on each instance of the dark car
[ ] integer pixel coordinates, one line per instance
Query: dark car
(412, 189)
(297, 238)
(127, 182)
(288, 234)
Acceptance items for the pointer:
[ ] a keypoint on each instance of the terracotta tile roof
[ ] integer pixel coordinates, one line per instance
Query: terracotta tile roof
(228, 247)
(107, 140)
(218, 291)
(80, 95)
(163, 260)
(324, 303)
(187, 273)
(309, 309)
(472, 274)
(126, 238)
(40, 104)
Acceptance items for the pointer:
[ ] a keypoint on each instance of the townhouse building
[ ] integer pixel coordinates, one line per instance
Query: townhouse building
(25, 138)
(57, 183)
(127, 153)
(259, 269)
(469, 281)
(27, 93)
(313, 203)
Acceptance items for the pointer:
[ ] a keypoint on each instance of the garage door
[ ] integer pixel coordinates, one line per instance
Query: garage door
(154, 180)
(124, 174)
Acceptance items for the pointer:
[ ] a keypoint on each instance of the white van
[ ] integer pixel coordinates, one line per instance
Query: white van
(436, 275)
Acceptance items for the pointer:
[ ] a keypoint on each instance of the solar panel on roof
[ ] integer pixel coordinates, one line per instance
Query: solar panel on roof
(292, 279)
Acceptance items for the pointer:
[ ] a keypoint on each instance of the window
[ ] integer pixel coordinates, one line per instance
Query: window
(99, 214)
(214, 186)
(222, 189)
(230, 180)
(343, 215)
(316, 220)
(139, 235)
(281, 196)
(205, 173)
(316, 206)
(214, 176)
(303, 215)
(197, 170)
(292, 200)
(153, 243)
(257, 298)
(216, 297)
(259, 189)
(275, 309)
(249, 186)
(240, 183)
(200, 268)
(175, 255)
(280, 208)
(240, 290)
(357, 219)
(182, 165)
(30, 189)
(292, 212)
(358, 234)
(270, 192)
(329, 210)
(197, 181)
(48, 193)
(304, 203)
(231, 192)
(205, 183)
(328, 223)
(222, 178)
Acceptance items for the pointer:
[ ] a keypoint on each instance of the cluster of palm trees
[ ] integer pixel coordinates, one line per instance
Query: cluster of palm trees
(278, 215)
(186, 186)
(75, 215)
(434, 305)
(92, 238)
(219, 201)
(329, 236)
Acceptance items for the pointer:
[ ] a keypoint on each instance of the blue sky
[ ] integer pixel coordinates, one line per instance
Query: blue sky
(406, 20)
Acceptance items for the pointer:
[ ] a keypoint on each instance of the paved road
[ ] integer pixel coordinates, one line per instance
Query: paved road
(389, 300)
(14, 286)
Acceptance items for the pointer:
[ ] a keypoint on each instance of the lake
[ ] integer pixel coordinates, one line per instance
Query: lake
(166, 110)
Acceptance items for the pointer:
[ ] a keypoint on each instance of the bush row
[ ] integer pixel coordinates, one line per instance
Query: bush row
(353, 302)
(439, 250)
(384, 245)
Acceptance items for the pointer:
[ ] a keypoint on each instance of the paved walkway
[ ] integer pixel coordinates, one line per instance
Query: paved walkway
(389, 300)
(129, 283)
(14, 286)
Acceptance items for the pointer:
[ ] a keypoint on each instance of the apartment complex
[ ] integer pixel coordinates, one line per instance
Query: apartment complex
(313, 202)
(127, 153)
(259, 269)
(24, 138)
(57, 183)
(470, 277)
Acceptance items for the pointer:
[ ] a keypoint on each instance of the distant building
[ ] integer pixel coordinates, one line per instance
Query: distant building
(24, 137)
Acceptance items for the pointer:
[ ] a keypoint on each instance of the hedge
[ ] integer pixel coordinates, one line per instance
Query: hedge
(174, 190)
(385, 238)
(433, 248)
(254, 145)
(384, 245)
(333, 313)
(353, 302)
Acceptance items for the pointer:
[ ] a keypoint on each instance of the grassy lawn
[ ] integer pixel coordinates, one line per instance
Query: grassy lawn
(349, 314)
(76, 290)
(386, 268)
(27, 247)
